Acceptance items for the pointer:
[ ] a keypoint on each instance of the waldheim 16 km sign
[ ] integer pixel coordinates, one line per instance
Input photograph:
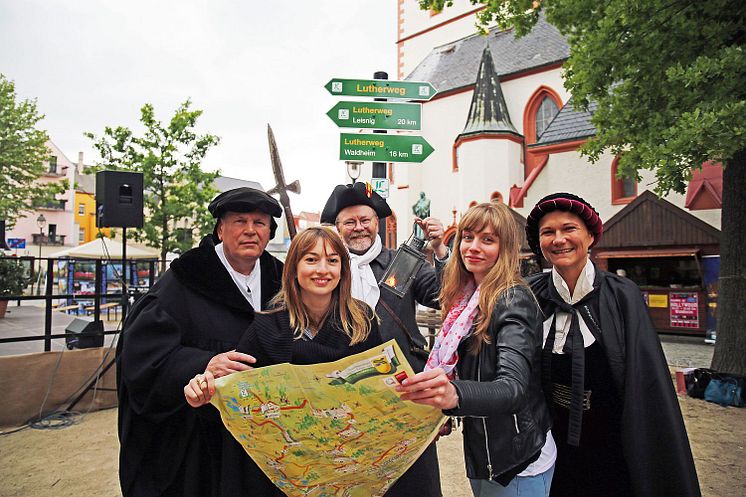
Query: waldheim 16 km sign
(376, 115)
(383, 148)
(381, 88)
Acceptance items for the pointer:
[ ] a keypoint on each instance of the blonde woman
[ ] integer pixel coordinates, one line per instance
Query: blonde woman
(485, 365)
(314, 320)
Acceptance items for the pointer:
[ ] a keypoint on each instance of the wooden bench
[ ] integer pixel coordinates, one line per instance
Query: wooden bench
(66, 308)
(108, 307)
(429, 319)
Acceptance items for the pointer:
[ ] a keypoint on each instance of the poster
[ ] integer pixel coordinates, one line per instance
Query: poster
(684, 310)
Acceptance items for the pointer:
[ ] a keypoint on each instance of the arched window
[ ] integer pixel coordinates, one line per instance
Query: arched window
(391, 231)
(540, 109)
(623, 190)
(544, 115)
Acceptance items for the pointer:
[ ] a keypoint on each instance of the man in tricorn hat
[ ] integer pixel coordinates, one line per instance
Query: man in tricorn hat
(190, 322)
(355, 211)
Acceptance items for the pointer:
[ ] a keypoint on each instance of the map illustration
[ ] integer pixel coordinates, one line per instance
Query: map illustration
(332, 429)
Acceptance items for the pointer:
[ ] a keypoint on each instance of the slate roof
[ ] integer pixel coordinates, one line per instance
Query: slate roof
(456, 64)
(488, 112)
(568, 124)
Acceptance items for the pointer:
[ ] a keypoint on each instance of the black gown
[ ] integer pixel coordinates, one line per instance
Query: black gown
(652, 440)
(192, 313)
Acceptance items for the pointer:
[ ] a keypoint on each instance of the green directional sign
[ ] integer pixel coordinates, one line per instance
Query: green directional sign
(383, 148)
(382, 88)
(376, 115)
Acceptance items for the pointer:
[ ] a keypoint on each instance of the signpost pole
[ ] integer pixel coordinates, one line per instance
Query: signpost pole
(379, 168)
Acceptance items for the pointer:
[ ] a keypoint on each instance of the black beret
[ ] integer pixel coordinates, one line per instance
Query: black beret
(562, 202)
(244, 199)
(356, 194)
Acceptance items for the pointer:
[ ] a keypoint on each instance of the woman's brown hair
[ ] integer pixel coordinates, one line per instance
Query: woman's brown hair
(504, 275)
(354, 315)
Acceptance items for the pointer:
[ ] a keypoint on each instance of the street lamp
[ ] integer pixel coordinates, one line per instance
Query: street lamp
(41, 222)
(353, 169)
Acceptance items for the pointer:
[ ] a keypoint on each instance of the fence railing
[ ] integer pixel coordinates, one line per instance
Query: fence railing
(82, 286)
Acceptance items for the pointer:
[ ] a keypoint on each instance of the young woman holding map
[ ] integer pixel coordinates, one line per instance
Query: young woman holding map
(314, 320)
(485, 364)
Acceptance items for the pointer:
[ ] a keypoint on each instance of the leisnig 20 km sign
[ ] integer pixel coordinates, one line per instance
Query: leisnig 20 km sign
(383, 148)
(376, 115)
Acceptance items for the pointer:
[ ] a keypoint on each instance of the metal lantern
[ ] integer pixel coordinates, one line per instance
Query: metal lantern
(404, 267)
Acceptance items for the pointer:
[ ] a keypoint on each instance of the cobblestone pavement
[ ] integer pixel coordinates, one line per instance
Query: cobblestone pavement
(686, 351)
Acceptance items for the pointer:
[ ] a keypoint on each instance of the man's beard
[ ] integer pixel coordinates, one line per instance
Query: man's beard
(360, 244)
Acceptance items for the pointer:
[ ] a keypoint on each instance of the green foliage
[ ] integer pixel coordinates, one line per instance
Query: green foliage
(22, 156)
(13, 278)
(170, 159)
(669, 77)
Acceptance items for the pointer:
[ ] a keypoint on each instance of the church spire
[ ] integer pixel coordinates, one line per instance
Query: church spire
(488, 112)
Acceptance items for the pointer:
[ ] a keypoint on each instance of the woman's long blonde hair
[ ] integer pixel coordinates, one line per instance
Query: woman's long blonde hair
(503, 275)
(354, 315)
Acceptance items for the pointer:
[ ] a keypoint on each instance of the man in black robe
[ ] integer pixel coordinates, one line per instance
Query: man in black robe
(190, 322)
(355, 210)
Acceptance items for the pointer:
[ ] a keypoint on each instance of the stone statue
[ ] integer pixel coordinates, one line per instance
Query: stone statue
(421, 209)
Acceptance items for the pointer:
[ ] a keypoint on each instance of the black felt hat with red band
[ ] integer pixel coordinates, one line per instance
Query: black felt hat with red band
(562, 202)
(358, 193)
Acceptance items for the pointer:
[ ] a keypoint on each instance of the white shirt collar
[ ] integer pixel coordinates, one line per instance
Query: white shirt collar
(250, 285)
(583, 287)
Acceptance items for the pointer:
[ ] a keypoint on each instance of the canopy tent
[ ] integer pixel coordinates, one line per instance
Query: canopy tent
(105, 248)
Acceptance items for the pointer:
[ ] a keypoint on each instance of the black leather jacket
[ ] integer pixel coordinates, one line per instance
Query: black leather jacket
(505, 415)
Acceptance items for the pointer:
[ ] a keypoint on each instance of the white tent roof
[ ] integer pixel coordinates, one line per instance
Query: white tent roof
(105, 248)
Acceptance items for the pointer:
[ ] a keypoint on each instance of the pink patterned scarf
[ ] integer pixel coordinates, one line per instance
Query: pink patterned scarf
(456, 327)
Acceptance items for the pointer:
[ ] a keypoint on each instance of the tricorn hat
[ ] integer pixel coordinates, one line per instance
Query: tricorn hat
(562, 202)
(246, 199)
(355, 194)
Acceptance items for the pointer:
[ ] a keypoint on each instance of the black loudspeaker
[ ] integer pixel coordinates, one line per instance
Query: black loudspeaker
(118, 199)
(74, 340)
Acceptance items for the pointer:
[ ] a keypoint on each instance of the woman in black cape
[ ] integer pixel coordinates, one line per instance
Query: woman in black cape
(617, 422)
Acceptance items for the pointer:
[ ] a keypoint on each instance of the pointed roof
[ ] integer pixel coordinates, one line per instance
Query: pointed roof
(488, 112)
(649, 221)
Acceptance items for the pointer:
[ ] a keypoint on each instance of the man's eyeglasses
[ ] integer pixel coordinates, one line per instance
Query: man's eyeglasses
(350, 224)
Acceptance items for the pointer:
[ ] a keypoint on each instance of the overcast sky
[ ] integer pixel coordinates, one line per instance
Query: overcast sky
(93, 63)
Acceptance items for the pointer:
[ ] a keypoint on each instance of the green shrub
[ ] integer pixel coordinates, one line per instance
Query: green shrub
(12, 277)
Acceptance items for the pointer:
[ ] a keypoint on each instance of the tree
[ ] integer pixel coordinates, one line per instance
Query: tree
(669, 79)
(22, 156)
(175, 186)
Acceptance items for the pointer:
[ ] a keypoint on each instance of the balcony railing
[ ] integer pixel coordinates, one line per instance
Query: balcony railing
(39, 239)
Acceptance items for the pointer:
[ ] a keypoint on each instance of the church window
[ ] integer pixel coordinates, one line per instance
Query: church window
(544, 115)
(623, 190)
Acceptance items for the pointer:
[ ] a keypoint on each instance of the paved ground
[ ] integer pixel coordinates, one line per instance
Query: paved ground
(28, 320)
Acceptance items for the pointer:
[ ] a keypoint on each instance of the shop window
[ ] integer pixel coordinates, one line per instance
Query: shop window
(623, 190)
(665, 272)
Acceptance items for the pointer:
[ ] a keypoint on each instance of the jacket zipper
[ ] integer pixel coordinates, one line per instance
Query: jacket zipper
(484, 421)
(515, 420)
